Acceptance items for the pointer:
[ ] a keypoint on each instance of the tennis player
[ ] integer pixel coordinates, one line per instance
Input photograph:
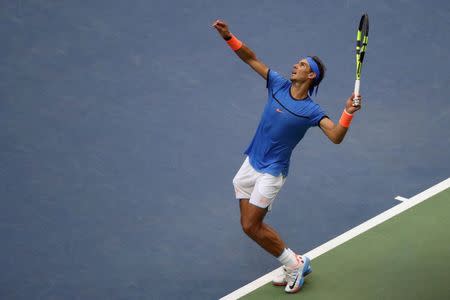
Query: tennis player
(288, 114)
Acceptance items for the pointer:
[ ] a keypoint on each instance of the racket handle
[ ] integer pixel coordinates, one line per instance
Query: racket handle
(356, 91)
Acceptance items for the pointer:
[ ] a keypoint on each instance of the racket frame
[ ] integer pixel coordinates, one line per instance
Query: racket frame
(362, 38)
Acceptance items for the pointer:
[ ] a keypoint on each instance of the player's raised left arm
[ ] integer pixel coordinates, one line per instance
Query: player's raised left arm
(243, 51)
(336, 132)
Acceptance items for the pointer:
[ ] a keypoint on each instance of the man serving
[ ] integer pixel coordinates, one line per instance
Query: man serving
(288, 114)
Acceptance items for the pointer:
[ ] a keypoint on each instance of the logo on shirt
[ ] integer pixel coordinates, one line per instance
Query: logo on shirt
(278, 110)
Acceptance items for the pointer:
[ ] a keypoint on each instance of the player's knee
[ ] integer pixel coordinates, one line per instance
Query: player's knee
(250, 227)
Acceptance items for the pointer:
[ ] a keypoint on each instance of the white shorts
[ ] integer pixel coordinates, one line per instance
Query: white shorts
(260, 188)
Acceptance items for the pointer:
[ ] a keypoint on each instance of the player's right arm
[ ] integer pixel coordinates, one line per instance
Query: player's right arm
(244, 53)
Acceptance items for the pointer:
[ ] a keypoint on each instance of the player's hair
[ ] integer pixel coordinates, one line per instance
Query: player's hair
(322, 68)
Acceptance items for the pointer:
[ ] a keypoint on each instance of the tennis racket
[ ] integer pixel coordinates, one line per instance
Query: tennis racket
(362, 38)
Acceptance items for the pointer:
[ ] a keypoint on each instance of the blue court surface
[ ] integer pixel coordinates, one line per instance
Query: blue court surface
(122, 124)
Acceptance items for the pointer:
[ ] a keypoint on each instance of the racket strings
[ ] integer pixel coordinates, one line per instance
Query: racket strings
(362, 40)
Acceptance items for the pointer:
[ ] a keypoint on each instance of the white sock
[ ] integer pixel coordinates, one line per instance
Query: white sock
(288, 258)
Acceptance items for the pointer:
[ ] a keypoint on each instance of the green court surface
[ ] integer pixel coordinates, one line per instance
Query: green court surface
(406, 257)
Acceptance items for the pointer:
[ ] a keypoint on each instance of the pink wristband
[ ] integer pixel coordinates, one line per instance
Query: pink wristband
(234, 43)
(346, 119)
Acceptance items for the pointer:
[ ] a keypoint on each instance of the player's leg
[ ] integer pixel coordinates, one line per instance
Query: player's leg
(256, 192)
(255, 209)
(252, 224)
(296, 267)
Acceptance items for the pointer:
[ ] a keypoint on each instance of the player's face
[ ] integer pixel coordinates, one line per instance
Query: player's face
(300, 71)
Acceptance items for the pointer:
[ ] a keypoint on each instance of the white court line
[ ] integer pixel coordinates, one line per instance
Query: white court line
(400, 198)
(346, 236)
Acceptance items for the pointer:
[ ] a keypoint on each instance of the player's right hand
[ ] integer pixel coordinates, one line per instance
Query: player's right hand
(349, 107)
(222, 28)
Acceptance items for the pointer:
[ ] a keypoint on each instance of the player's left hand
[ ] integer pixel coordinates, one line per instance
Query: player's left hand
(349, 104)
